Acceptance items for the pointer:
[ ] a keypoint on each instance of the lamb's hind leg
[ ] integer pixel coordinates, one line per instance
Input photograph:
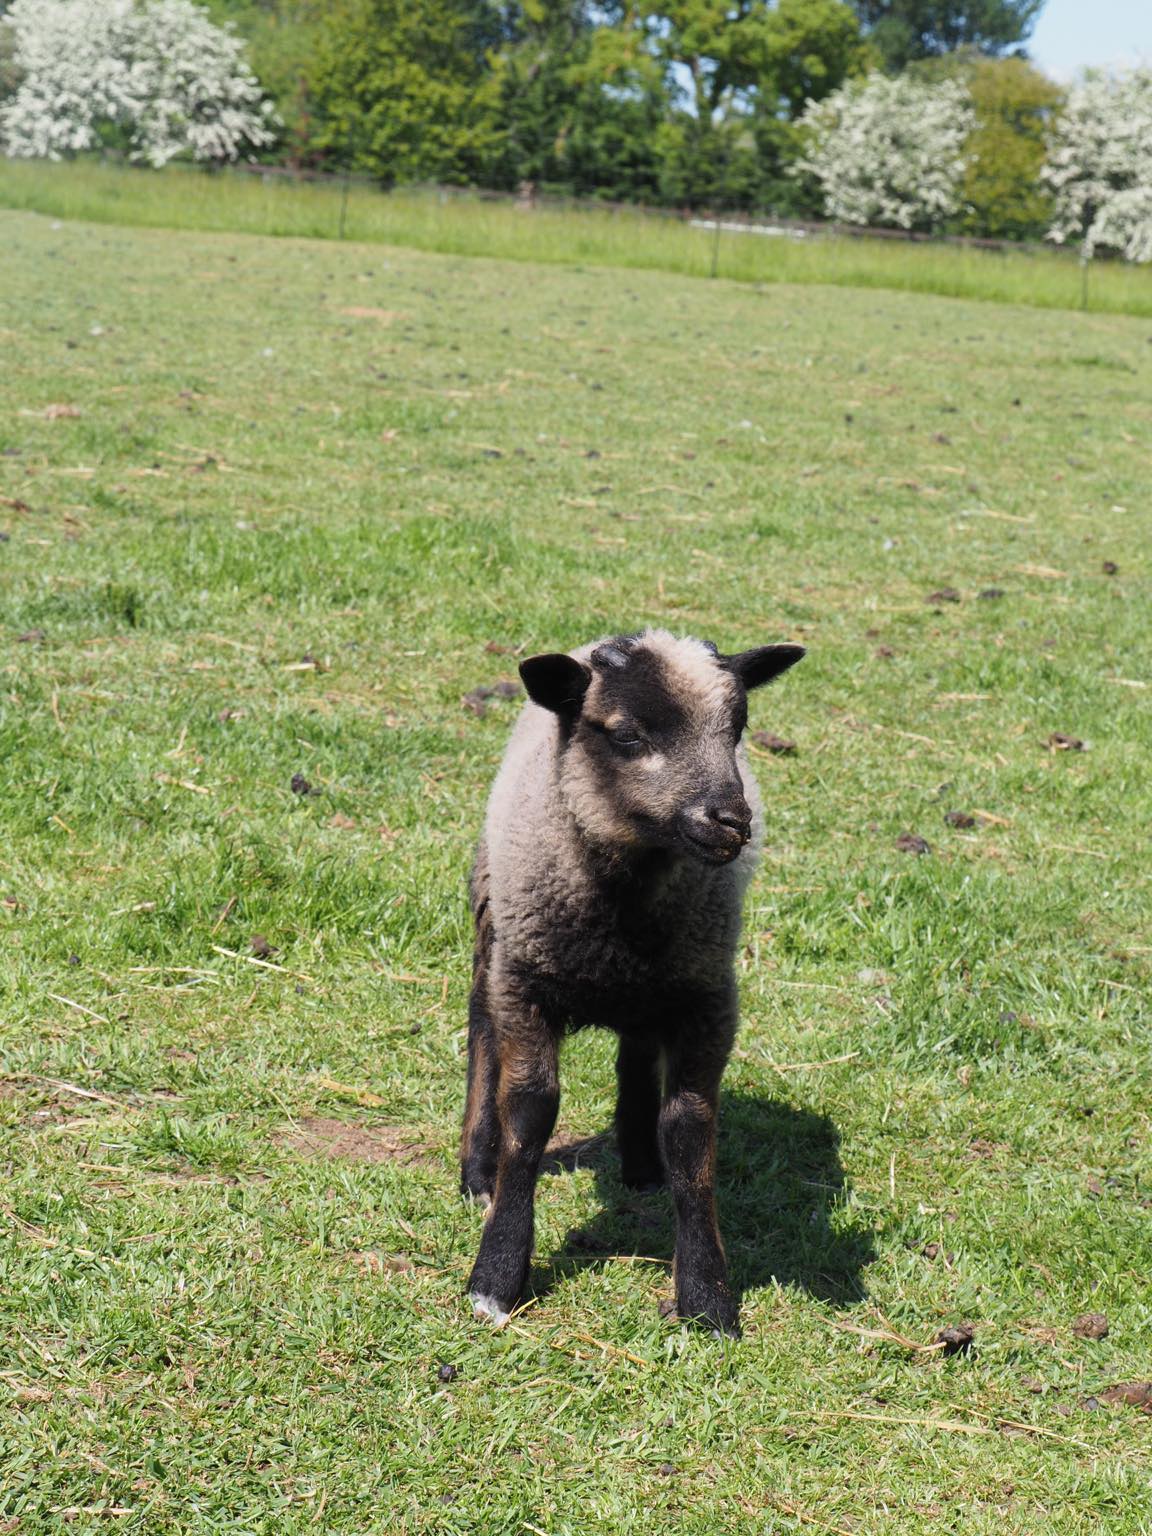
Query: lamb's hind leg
(480, 1141)
(527, 1099)
(637, 1113)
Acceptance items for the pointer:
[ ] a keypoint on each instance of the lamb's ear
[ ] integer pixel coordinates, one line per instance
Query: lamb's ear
(556, 682)
(760, 666)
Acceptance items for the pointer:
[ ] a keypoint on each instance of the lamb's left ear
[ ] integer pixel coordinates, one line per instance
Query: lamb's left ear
(760, 666)
(556, 682)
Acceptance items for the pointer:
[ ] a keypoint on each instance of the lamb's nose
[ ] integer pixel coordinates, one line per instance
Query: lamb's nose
(735, 814)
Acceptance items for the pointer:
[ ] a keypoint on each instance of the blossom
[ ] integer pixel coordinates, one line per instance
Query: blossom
(889, 151)
(157, 78)
(1099, 164)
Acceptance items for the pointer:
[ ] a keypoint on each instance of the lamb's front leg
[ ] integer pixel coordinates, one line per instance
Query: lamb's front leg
(695, 1064)
(638, 1113)
(527, 1100)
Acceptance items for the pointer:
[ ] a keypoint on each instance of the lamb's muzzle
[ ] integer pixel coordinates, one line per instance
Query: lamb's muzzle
(621, 832)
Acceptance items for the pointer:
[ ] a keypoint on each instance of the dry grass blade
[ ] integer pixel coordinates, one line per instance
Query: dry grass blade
(811, 1066)
(70, 1002)
(953, 1426)
(80, 1093)
(362, 1096)
(797, 1512)
(886, 1334)
(613, 1349)
(35, 1235)
(267, 965)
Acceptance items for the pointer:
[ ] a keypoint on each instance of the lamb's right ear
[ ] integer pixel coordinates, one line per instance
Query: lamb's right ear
(556, 682)
(754, 668)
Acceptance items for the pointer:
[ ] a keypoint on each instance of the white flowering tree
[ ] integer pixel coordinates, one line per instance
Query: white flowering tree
(889, 151)
(154, 78)
(1099, 165)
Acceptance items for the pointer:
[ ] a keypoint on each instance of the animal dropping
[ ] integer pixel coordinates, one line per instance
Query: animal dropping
(621, 832)
(1090, 1325)
(912, 842)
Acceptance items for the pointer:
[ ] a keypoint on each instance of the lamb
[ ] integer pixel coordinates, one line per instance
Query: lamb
(621, 832)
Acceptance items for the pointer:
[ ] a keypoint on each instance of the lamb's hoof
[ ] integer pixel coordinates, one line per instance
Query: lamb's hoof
(488, 1309)
(719, 1317)
(644, 1178)
(477, 1194)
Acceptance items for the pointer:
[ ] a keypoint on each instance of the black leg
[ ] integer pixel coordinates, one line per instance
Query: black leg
(480, 1142)
(695, 1064)
(528, 1097)
(637, 1113)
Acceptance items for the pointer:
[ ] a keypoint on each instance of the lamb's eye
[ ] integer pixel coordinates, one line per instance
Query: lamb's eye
(627, 742)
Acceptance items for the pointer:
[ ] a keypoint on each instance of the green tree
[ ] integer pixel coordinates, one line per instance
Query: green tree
(808, 48)
(742, 72)
(803, 50)
(904, 30)
(406, 91)
(579, 105)
(609, 141)
(534, 90)
(1014, 106)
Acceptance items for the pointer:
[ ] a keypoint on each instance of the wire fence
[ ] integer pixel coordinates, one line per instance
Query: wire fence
(720, 218)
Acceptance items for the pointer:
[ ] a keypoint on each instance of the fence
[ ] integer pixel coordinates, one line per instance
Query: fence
(765, 223)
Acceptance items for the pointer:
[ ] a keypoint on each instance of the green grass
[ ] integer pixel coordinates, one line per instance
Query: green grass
(464, 225)
(308, 489)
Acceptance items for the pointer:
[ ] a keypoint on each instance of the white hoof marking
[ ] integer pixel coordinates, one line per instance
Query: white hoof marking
(488, 1308)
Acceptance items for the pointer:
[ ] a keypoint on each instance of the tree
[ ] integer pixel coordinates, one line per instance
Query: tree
(735, 73)
(805, 49)
(889, 151)
(579, 105)
(904, 30)
(1099, 165)
(405, 91)
(1014, 104)
(810, 48)
(154, 80)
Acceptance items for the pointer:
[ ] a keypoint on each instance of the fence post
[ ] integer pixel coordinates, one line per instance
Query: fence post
(715, 245)
(347, 178)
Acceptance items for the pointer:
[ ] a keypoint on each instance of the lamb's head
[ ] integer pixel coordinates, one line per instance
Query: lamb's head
(648, 730)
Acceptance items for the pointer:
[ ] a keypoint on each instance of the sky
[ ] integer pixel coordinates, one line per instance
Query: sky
(1073, 33)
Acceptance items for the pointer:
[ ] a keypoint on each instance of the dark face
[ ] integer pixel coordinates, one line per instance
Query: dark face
(650, 726)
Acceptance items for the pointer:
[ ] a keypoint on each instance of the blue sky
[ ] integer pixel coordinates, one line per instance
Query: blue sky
(1073, 33)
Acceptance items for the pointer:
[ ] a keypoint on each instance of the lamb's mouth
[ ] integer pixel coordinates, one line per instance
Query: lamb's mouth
(714, 850)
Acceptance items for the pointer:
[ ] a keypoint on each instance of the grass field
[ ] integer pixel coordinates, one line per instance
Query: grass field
(270, 511)
(463, 225)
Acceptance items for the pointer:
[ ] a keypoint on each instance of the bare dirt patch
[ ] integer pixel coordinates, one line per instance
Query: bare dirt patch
(369, 312)
(320, 1137)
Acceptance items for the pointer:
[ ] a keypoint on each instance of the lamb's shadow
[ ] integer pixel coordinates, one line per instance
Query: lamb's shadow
(784, 1211)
